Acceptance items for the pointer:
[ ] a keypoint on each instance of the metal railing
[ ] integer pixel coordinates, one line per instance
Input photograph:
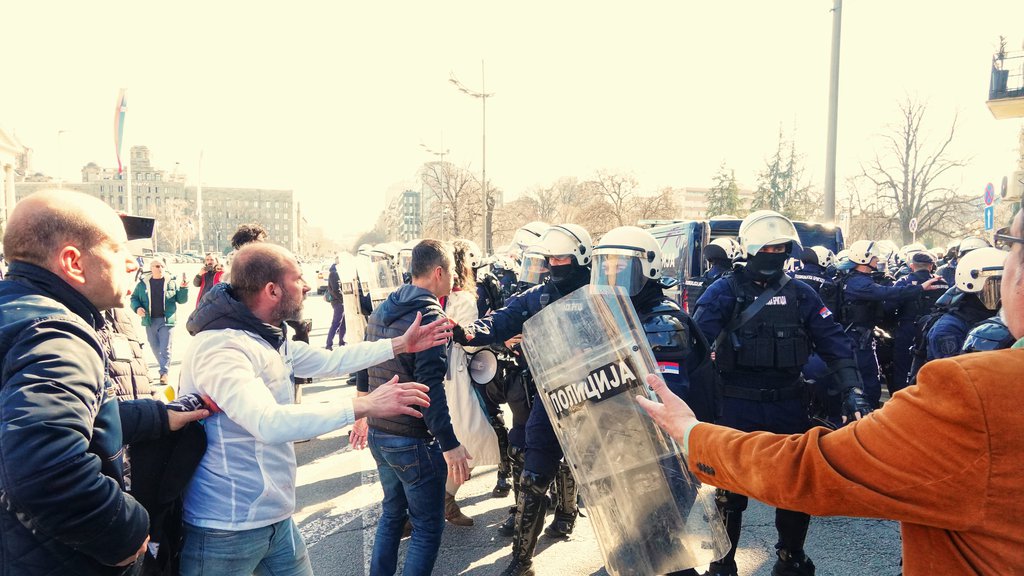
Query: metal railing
(1007, 76)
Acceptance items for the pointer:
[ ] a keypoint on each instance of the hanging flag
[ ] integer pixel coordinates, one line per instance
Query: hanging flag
(119, 110)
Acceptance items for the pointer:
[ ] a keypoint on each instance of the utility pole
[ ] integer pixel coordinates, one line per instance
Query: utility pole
(833, 113)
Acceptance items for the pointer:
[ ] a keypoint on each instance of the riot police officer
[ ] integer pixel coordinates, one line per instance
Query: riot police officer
(989, 334)
(815, 262)
(721, 253)
(977, 278)
(631, 258)
(764, 326)
(909, 312)
(862, 310)
(957, 252)
(567, 249)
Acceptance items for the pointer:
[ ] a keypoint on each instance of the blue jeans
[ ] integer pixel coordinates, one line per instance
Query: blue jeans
(159, 335)
(275, 550)
(412, 473)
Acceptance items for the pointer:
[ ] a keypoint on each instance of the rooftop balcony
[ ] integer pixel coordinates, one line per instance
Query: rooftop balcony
(1006, 86)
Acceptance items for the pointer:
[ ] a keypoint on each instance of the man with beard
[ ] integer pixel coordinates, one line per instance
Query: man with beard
(239, 505)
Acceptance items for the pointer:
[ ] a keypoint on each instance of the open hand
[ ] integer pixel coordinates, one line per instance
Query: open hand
(357, 436)
(458, 464)
(419, 338)
(672, 414)
(392, 399)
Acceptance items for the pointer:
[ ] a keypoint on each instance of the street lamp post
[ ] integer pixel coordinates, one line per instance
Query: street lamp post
(483, 96)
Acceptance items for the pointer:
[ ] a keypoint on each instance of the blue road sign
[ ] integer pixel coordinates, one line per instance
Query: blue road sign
(990, 194)
(989, 217)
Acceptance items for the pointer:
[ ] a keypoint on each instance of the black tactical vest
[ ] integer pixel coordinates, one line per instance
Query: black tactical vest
(860, 312)
(775, 340)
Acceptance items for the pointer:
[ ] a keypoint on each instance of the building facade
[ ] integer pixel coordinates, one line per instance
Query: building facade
(165, 196)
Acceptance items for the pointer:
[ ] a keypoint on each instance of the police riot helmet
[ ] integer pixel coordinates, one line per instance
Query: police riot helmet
(980, 272)
(864, 251)
(907, 252)
(364, 249)
(767, 228)
(628, 257)
(528, 234)
(566, 240)
(991, 334)
(722, 249)
(818, 255)
(970, 244)
(473, 254)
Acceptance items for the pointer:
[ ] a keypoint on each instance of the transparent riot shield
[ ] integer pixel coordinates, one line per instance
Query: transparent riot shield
(590, 358)
(384, 278)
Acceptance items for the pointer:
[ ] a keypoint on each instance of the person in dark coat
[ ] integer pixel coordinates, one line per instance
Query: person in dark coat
(61, 473)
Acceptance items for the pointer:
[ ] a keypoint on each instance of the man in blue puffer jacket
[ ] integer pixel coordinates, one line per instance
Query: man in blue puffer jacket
(61, 428)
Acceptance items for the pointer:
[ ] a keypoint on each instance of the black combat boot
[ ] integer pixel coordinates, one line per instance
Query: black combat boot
(792, 564)
(565, 506)
(502, 486)
(529, 522)
(516, 460)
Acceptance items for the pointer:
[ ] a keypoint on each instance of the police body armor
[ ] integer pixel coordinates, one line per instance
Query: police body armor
(494, 296)
(987, 335)
(811, 280)
(675, 338)
(775, 340)
(861, 314)
(914, 308)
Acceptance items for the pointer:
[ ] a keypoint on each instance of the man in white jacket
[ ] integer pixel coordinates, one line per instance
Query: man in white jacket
(239, 504)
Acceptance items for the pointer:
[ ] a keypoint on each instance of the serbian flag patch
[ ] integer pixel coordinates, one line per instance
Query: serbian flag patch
(824, 312)
(669, 367)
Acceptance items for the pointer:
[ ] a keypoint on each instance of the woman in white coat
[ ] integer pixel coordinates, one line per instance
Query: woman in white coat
(469, 418)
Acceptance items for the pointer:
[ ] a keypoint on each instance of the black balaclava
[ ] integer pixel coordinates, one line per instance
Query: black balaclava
(569, 277)
(765, 266)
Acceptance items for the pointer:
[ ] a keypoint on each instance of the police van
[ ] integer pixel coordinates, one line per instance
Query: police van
(683, 242)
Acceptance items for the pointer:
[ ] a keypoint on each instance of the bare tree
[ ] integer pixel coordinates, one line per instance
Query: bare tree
(454, 198)
(174, 226)
(909, 172)
(617, 190)
(659, 206)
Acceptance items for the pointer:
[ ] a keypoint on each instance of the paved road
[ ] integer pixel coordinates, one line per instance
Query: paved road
(338, 505)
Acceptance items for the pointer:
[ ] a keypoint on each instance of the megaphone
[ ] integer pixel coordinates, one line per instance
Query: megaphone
(483, 365)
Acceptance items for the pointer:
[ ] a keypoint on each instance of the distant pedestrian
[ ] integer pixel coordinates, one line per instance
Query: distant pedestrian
(212, 273)
(336, 298)
(156, 301)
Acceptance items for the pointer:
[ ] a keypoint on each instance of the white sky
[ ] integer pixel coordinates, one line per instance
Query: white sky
(333, 99)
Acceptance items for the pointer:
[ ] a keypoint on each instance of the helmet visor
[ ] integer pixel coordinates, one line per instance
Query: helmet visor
(990, 294)
(534, 269)
(618, 268)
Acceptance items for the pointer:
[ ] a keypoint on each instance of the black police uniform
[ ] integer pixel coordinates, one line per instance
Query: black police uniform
(908, 313)
(760, 364)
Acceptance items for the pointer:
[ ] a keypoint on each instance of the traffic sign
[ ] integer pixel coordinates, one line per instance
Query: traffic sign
(990, 194)
(990, 218)
(913, 225)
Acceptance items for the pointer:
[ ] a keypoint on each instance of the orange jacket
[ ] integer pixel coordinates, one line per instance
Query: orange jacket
(945, 458)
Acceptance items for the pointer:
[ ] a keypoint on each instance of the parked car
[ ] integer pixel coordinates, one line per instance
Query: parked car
(683, 242)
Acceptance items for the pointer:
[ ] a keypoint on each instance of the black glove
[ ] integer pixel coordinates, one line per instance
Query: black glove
(459, 335)
(187, 403)
(853, 403)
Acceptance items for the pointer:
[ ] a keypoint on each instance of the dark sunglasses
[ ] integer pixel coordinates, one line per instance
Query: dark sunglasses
(1004, 241)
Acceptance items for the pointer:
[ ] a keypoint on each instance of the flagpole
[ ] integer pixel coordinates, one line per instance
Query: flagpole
(199, 205)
